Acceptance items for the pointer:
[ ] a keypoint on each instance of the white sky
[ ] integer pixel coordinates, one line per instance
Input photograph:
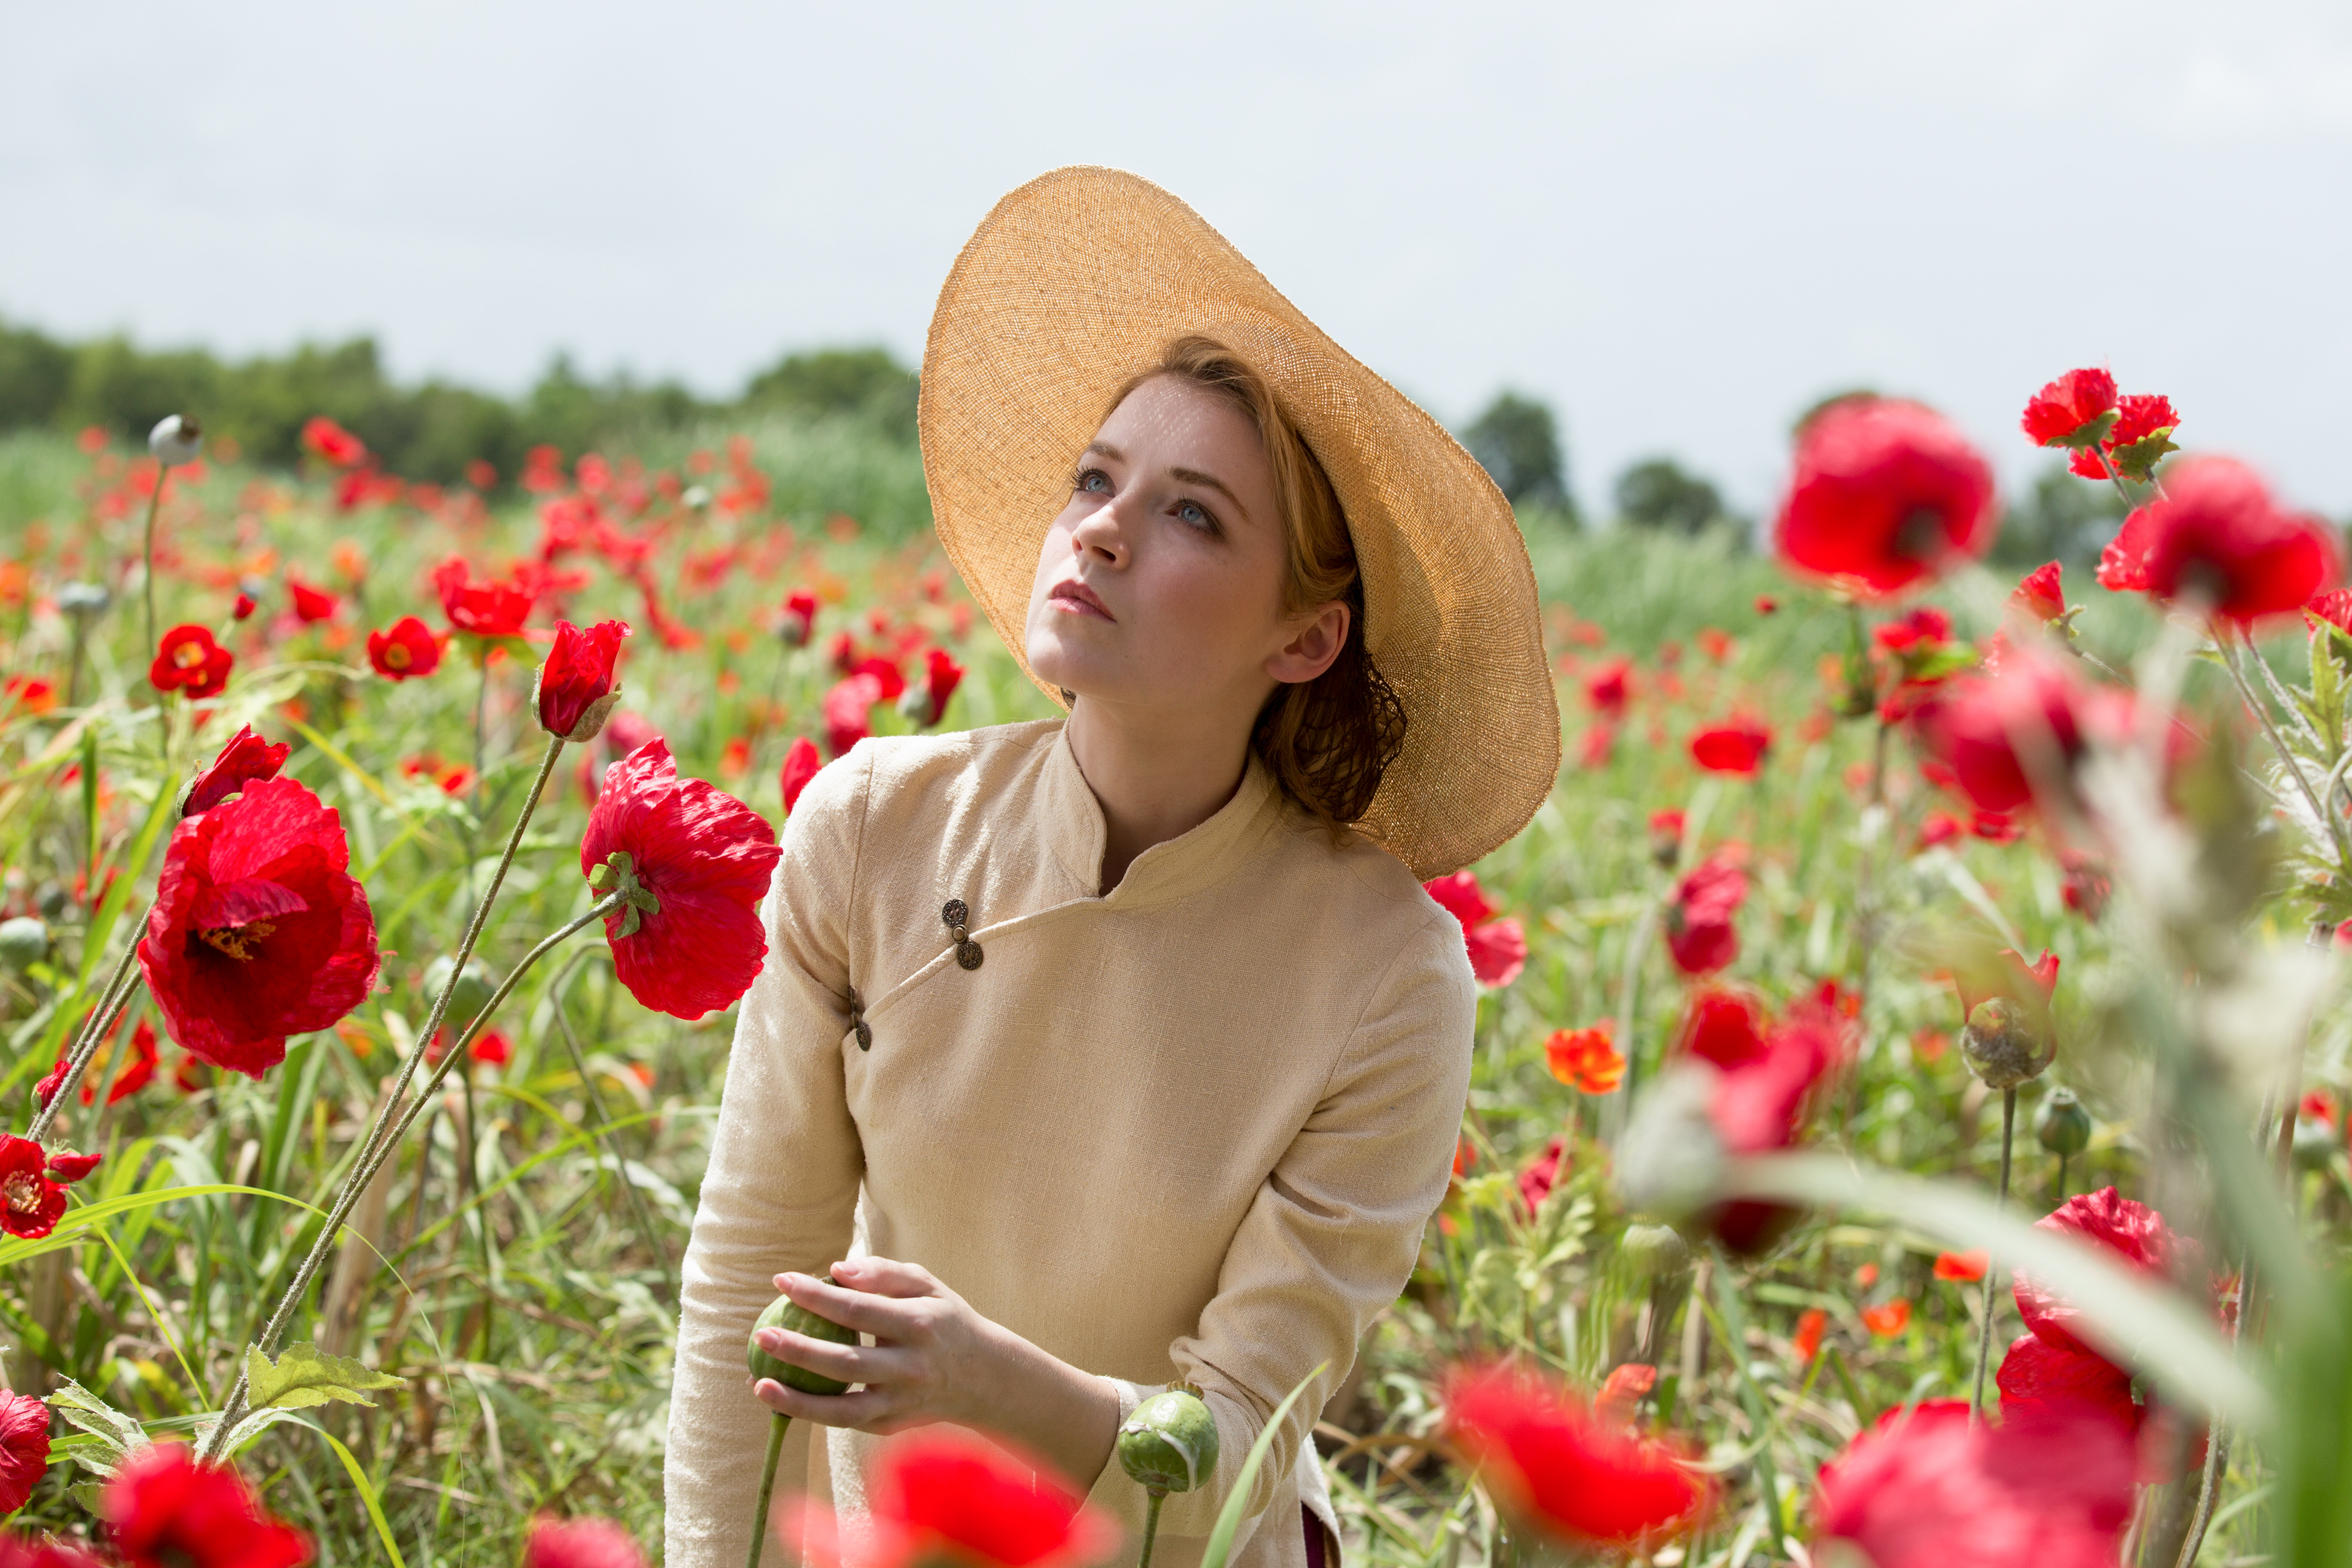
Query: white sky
(1677, 220)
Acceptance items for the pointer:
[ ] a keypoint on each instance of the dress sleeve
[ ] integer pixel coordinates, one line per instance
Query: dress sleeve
(781, 1185)
(1331, 1238)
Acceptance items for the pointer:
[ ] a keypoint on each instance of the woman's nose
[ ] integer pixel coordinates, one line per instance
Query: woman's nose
(1100, 534)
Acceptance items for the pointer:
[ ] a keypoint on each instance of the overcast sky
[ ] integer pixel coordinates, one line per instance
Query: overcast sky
(1679, 221)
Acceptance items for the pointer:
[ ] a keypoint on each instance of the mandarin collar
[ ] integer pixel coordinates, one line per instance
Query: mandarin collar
(1185, 864)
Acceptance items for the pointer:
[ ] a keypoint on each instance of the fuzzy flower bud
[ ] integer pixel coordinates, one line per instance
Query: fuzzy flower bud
(2061, 1125)
(23, 942)
(176, 438)
(576, 691)
(783, 1312)
(1655, 1251)
(2002, 1046)
(1170, 1444)
(83, 600)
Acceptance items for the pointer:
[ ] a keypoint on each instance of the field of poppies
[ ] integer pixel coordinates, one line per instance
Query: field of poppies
(1906, 1125)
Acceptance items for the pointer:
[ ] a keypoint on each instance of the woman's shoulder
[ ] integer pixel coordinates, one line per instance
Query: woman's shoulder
(1370, 891)
(887, 776)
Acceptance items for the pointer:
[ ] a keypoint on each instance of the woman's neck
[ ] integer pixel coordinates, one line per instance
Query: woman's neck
(1154, 779)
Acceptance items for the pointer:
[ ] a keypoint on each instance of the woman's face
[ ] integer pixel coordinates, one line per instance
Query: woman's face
(1160, 586)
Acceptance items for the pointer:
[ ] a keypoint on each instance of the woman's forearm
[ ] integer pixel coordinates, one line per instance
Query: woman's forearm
(1061, 1413)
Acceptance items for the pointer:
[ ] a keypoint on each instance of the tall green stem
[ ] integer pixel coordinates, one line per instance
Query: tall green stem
(1151, 1524)
(768, 1487)
(1991, 1273)
(603, 1126)
(113, 998)
(147, 576)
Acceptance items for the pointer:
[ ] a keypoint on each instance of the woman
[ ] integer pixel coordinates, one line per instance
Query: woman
(1091, 1056)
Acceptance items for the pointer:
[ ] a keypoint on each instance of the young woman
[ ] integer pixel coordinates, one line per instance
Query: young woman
(1098, 1054)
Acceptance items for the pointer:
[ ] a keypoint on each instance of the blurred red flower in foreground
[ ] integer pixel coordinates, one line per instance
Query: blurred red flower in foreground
(928, 703)
(1806, 1343)
(1586, 1059)
(26, 694)
(1606, 689)
(24, 1448)
(801, 765)
(2014, 735)
(1540, 1175)
(310, 604)
(247, 759)
(1757, 1106)
(1722, 1025)
(581, 1544)
(489, 608)
(2133, 1231)
(1560, 1471)
(2218, 536)
(1886, 494)
(1736, 747)
(1962, 1267)
(846, 706)
(1699, 933)
(1888, 1319)
(696, 862)
(187, 661)
(404, 650)
(2040, 595)
(333, 442)
(259, 930)
(2073, 410)
(943, 1496)
(1497, 945)
(799, 618)
(575, 691)
(1929, 1488)
(165, 1511)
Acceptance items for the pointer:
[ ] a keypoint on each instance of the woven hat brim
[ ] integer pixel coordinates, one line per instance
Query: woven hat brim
(1076, 282)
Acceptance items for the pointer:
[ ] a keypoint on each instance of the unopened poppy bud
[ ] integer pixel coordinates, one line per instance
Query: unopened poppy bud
(783, 1312)
(176, 438)
(475, 988)
(83, 600)
(2004, 1045)
(23, 942)
(697, 496)
(2315, 1143)
(915, 706)
(1654, 1251)
(575, 692)
(2061, 1125)
(1170, 1444)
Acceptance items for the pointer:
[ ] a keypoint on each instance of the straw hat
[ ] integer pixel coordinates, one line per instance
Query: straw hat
(1077, 281)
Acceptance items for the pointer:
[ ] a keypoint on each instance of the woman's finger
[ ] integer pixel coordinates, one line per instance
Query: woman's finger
(858, 1411)
(880, 1315)
(886, 1277)
(851, 1363)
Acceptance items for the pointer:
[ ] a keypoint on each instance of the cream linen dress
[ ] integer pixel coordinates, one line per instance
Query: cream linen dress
(1189, 1130)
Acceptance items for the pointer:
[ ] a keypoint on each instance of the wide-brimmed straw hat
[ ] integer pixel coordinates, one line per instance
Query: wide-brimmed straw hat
(1079, 281)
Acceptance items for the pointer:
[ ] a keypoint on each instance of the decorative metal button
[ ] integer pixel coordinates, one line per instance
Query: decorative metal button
(858, 1023)
(955, 913)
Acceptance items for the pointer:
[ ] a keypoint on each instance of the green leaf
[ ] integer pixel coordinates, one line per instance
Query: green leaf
(304, 1375)
(117, 1433)
(91, 1495)
(1229, 1518)
(2315, 1517)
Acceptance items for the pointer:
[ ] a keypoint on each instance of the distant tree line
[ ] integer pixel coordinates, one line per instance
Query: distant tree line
(431, 430)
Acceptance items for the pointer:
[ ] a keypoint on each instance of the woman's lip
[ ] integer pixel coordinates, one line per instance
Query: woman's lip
(1081, 600)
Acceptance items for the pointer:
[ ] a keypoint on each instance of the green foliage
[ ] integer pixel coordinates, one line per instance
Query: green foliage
(1516, 441)
(304, 1375)
(2061, 517)
(865, 384)
(1661, 493)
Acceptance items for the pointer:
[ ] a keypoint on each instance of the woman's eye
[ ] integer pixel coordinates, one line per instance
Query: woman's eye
(1192, 514)
(1094, 481)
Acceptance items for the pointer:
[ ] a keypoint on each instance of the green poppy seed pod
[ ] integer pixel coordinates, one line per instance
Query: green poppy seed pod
(475, 988)
(1170, 1444)
(83, 600)
(176, 438)
(783, 1312)
(1655, 1251)
(2005, 1045)
(23, 942)
(2062, 1124)
(2315, 1143)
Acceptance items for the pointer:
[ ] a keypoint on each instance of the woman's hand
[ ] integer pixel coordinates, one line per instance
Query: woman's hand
(935, 1358)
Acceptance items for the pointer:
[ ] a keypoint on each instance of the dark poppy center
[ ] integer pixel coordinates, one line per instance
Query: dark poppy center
(237, 941)
(396, 655)
(187, 655)
(1920, 535)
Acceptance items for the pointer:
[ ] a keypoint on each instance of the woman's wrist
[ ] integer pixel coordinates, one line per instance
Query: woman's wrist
(1062, 1414)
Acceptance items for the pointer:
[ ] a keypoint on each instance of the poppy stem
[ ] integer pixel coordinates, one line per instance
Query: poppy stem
(768, 1486)
(1151, 1524)
(2287, 759)
(111, 999)
(385, 1134)
(603, 1122)
(1991, 1273)
(147, 576)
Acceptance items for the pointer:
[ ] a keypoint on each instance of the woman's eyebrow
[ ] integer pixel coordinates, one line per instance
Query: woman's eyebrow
(1195, 477)
(1104, 449)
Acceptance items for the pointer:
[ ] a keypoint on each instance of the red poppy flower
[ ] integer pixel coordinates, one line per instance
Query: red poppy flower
(848, 707)
(404, 650)
(489, 608)
(1736, 748)
(2073, 410)
(1888, 1319)
(1497, 946)
(2217, 534)
(26, 694)
(259, 930)
(1608, 688)
(696, 862)
(1699, 933)
(799, 622)
(69, 1167)
(1939, 827)
(31, 1203)
(1542, 1174)
(1757, 1106)
(581, 1544)
(2040, 597)
(1929, 1487)
(801, 765)
(333, 442)
(1666, 837)
(1722, 1025)
(1963, 1268)
(24, 1448)
(165, 1511)
(1586, 1059)
(941, 676)
(1886, 494)
(188, 660)
(2019, 732)
(2039, 1378)
(2142, 434)
(1562, 1471)
(243, 609)
(247, 759)
(2133, 1231)
(310, 604)
(136, 1073)
(1806, 1342)
(576, 691)
(941, 1495)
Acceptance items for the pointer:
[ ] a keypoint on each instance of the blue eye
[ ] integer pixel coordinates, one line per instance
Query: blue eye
(1094, 481)
(1193, 515)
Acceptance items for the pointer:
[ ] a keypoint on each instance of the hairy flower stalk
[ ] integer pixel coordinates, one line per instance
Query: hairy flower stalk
(783, 1312)
(1992, 1273)
(385, 1133)
(113, 998)
(176, 439)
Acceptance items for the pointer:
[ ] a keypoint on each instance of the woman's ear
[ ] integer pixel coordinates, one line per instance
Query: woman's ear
(1317, 637)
